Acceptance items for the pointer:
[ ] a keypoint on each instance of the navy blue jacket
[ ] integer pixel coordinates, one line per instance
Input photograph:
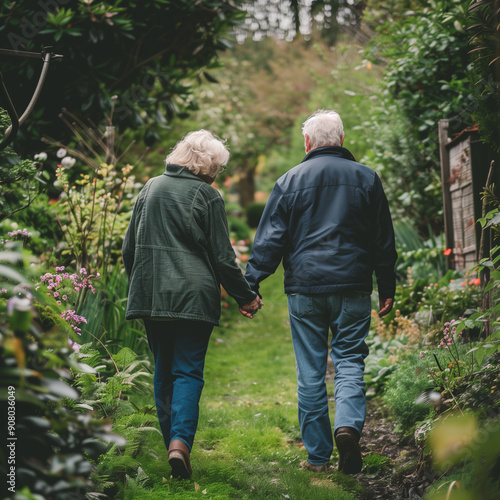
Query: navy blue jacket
(328, 219)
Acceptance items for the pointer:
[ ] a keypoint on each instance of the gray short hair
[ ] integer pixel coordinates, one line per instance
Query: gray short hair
(201, 152)
(324, 128)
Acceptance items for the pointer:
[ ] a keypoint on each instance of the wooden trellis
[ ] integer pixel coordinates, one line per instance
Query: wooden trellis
(465, 162)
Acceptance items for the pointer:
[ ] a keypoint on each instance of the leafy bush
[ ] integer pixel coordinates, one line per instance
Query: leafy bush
(465, 452)
(451, 297)
(21, 181)
(402, 389)
(120, 387)
(254, 213)
(92, 215)
(424, 257)
(238, 227)
(484, 73)
(134, 50)
(425, 58)
(55, 436)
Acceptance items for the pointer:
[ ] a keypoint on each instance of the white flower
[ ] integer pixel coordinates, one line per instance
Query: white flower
(41, 156)
(68, 162)
(61, 153)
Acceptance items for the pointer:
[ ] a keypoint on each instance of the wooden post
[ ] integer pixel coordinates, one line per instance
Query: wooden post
(484, 252)
(445, 175)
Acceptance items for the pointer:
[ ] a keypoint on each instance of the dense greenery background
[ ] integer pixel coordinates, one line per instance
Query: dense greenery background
(135, 77)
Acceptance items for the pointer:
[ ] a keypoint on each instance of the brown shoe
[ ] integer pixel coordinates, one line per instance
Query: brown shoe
(178, 458)
(347, 441)
(305, 465)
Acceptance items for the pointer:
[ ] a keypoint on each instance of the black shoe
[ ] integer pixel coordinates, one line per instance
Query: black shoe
(347, 441)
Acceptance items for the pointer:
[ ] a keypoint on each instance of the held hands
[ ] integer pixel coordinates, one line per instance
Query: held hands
(385, 306)
(249, 310)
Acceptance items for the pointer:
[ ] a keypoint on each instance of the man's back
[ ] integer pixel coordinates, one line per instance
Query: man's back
(336, 222)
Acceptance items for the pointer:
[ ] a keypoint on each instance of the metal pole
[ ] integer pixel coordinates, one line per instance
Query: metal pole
(14, 127)
(13, 116)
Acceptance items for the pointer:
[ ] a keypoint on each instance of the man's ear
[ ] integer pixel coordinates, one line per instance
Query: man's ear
(307, 143)
(342, 140)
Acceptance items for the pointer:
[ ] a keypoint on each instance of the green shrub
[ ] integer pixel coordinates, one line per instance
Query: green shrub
(55, 438)
(254, 213)
(402, 389)
(238, 227)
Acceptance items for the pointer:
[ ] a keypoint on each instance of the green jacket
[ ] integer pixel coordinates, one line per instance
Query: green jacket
(177, 251)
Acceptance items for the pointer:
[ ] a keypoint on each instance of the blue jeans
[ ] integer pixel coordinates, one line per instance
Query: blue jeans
(348, 316)
(179, 348)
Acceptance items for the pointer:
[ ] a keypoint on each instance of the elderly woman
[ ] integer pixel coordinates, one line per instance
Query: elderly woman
(176, 254)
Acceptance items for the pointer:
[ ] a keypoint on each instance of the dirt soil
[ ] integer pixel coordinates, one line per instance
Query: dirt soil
(403, 476)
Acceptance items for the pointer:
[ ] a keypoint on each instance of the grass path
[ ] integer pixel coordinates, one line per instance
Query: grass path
(248, 440)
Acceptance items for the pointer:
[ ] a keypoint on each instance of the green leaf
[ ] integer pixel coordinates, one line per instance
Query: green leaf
(125, 357)
(59, 388)
(11, 274)
(494, 221)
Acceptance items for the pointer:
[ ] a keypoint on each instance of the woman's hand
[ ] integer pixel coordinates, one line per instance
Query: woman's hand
(250, 309)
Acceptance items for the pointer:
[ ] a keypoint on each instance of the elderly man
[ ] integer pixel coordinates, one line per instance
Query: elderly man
(328, 219)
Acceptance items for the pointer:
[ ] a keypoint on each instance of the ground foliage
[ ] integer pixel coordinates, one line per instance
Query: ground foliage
(54, 436)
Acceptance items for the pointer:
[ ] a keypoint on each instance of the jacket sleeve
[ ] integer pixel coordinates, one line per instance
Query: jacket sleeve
(269, 241)
(222, 254)
(385, 255)
(128, 248)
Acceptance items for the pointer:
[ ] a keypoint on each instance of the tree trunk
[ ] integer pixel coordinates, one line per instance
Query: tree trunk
(246, 184)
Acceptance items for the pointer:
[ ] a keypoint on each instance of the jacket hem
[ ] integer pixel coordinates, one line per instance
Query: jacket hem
(138, 314)
(358, 287)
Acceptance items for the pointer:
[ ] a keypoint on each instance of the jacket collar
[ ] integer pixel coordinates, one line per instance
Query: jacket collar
(330, 150)
(174, 170)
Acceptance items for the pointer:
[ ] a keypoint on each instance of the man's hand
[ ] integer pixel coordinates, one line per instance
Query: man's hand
(385, 306)
(249, 310)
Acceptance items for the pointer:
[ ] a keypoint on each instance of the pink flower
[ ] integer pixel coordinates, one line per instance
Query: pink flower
(74, 345)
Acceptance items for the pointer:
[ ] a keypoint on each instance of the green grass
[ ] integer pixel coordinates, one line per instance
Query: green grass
(248, 439)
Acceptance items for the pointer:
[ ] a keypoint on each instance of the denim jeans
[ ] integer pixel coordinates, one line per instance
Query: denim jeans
(348, 316)
(179, 348)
